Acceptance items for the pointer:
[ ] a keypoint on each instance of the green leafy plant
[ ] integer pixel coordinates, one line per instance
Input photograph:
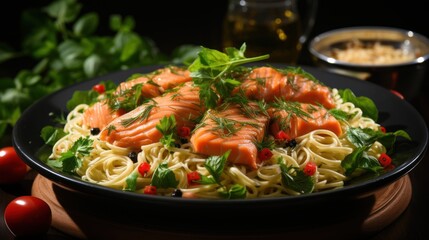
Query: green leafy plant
(64, 47)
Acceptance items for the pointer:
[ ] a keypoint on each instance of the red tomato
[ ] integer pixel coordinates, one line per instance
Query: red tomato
(12, 168)
(99, 88)
(28, 216)
(265, 154)
(310, 169)
(150, 190)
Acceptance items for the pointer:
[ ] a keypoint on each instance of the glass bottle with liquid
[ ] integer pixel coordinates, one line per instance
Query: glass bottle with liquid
(272, 27)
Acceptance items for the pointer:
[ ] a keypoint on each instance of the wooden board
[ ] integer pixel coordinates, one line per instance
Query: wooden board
(88, 222)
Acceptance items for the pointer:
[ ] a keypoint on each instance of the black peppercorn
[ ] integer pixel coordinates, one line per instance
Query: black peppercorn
(95, 131)
(177, 193)
(133, 156)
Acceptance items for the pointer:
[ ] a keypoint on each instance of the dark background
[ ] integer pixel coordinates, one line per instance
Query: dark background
(173, 23)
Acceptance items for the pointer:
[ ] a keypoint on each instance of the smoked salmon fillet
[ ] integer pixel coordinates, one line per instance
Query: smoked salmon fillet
(230, 129)
(153, 84)
(138, 127)
(297, 119)
(268, 83)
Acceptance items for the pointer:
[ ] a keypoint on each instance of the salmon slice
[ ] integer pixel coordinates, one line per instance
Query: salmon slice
(153, 84)
(297, 119)
(267, 83)
(138, 127)
(99, 115)
(230, 129)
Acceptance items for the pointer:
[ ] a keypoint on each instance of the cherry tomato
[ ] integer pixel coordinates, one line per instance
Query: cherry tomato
(384, 160)
(144, 168)
(99, 88)
(28, 216)
(265, 154)
(193, 177)
(150, 190)
(184, 132)
(310, 169)
(12, 168)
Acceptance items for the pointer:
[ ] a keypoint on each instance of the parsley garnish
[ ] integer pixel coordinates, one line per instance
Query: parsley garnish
(167, 126)
(72, 159)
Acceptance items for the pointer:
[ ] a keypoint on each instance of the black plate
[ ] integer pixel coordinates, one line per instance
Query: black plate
(394, 114)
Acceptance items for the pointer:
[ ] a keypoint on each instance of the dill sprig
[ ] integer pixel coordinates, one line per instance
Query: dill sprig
(141, 116)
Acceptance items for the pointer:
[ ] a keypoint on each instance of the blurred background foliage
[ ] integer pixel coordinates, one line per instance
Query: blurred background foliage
(60, 46)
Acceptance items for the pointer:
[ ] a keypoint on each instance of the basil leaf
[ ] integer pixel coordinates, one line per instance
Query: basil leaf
(163, 177)
(51, 135)
(296, 179)
(86, 24)
(365, 104)
(131, 182)
(235, 192)
(216, 164)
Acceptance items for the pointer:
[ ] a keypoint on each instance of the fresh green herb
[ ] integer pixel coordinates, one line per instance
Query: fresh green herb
(295, 178)
(363, 139)
(51, 135)
(127, 99)
(89, 96)
(131, 182)
(235, 192)
(360, 159)
(226, 127)
(299, 71)
(368, 107)
(216, 164)
(72, 159)
(168, 129)
(209, 72)
(143, 115)
(340, 114)
(163, 177)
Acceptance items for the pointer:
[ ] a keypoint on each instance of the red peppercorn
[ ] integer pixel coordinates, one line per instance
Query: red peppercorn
(184, 132)
(265, 154)
(384, 160)
(144, 168)
(310, 169)
(149, 189)
(281, 135)
(193, 177)
(100, 88)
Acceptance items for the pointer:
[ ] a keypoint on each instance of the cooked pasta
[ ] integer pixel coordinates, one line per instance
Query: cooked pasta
(109, 165)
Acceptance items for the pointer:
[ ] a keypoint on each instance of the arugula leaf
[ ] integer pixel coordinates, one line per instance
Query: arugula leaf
(209, 72)
(163, 177)
(295, 179)
(365, 104)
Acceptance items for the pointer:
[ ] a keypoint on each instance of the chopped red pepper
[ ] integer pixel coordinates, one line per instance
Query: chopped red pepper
(193, 177)
(144, 168)
(382, 129)
(184, 132)
(149, 189)
(281, 135)
(265, 154)
(384, 160)
(100, 88)
(310, 169)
